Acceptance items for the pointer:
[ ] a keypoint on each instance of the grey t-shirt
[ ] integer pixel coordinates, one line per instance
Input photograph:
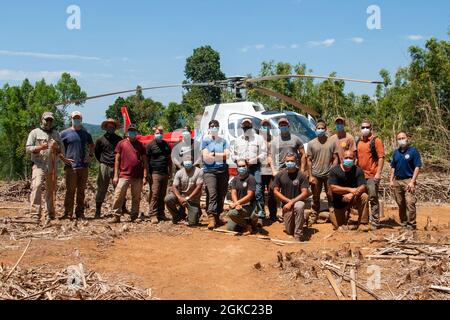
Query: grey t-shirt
(187, 182)
(321, 155)
(283, 145)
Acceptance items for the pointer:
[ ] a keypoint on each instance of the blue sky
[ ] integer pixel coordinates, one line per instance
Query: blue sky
(125, 43)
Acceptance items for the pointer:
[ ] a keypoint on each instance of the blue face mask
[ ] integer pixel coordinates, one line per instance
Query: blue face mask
(242, 170)
(186, 135)
(320, 132)
(291, 165)
(158, 136)
(348, 163)
(340, 127)
(284, 129)
(188, 164)
(214, 130)
(77, 122)
(132, 134)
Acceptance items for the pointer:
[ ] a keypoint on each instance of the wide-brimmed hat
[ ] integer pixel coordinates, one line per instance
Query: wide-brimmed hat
(109, 121)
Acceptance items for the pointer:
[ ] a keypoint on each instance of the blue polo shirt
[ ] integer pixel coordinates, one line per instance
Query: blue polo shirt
(405, 162)
(218, 145)
(76, 144)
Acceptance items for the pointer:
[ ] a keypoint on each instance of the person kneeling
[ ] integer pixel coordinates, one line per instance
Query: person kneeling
(292, 189)
(186, 194)
(348, 185)
(242, 214)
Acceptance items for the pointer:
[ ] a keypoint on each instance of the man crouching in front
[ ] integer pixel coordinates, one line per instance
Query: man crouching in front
(291, 187)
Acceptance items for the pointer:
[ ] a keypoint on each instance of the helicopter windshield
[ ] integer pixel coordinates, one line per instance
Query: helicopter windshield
(300, 126)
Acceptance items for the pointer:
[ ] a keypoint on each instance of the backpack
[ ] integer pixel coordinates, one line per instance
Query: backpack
(373, 148)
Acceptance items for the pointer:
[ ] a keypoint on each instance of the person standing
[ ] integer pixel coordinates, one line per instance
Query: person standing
(187, 146)
(348, 186)
(215, 152)
(44, 145)
(405, 168)
(79, 151)
(371, 161)
(186, 193)
(322, 156)
(344, 140)
(291, 187)
(104, 153)
(159, 169)
(251, 147)
(130, 170)
(243, 187)
(267, 172)
(286, 143)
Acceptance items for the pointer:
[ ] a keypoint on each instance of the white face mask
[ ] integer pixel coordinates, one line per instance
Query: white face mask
(365, 132)
(402, 143)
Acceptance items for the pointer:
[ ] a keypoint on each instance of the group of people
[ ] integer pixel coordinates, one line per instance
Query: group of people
(278, 165)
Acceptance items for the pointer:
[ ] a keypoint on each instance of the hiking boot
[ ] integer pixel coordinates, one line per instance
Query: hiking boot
(142, 217)
(133, 217)
(98, 210)
(373, 227)
(312, 218)
(154, 220)
(65, 217)
(115, 219)
(259, 223)
(343, 229)
(352, 227)
(212, 222)
(300, 238)
(363, 228)
(247, 230)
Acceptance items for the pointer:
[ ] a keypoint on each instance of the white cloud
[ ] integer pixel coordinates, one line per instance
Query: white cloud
(19, 75)
(415, 37)
(47, 55)
(357, 40)
(325, 43)
(295, 46)
(260, 46)
(278, 46)
(256, 47)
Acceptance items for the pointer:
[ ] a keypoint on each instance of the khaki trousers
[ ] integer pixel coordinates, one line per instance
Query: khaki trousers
(39, 176)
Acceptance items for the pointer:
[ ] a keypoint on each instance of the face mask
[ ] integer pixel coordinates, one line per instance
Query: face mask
(291, 165)
(402, 143)
(214, 131)
(340, 127)
(158, 136)
(188, 164)
(265, 129)
(132, 134)
(365, 132)
(242, 170)
(77, 122)
(320, 132)
(110, 130)
(47, 125)
(186, 135)
(284, 129)
(348, 163)
(246, 129)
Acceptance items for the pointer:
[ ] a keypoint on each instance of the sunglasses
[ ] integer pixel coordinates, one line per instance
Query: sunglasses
(365, 127)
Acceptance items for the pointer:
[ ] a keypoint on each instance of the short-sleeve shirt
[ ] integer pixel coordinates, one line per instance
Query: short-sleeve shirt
(158, 153)
(321, 155)
(365, 158)
(344, 144)
(282, 145)
(186, 182)
(76, 143)
(36, 138)
(218, 145)
(190, 148)
(351, 179)
(404, 162)
(131, 165)
(242, 186)
(291, 184)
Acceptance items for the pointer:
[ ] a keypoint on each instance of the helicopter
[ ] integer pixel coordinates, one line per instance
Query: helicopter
(230, 115)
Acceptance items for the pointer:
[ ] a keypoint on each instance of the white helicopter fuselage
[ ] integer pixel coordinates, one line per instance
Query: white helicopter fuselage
(230, 116)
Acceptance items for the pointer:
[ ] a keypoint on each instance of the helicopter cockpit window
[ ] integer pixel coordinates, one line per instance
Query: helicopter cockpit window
(235, 121)
(300, 126)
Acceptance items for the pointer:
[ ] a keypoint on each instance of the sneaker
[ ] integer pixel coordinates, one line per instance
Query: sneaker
(363, 228)
(343, 229)
(312, 218)
(142, 217)
(154, 220)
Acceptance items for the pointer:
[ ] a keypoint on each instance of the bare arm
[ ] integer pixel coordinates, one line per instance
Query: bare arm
(196, 191)
(335, 159)
(247, 198)
(280, 196)
(303, 161)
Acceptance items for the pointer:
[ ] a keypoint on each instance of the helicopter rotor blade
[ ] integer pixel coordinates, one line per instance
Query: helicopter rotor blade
(310, 76)
(287, 99)
(209, 84)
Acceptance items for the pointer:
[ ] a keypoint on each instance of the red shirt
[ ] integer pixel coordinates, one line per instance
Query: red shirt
(131, 153)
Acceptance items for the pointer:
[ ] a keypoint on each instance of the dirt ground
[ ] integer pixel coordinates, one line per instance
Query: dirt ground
(178, 262)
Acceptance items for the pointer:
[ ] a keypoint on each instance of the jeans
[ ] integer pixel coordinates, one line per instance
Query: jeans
(216, 191)
(255, 170)
(295, 220)
(241, 218)
(76, 181)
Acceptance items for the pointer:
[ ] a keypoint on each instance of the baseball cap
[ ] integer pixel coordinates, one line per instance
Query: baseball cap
(283, 120)
(48, 115)
(76, 114)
